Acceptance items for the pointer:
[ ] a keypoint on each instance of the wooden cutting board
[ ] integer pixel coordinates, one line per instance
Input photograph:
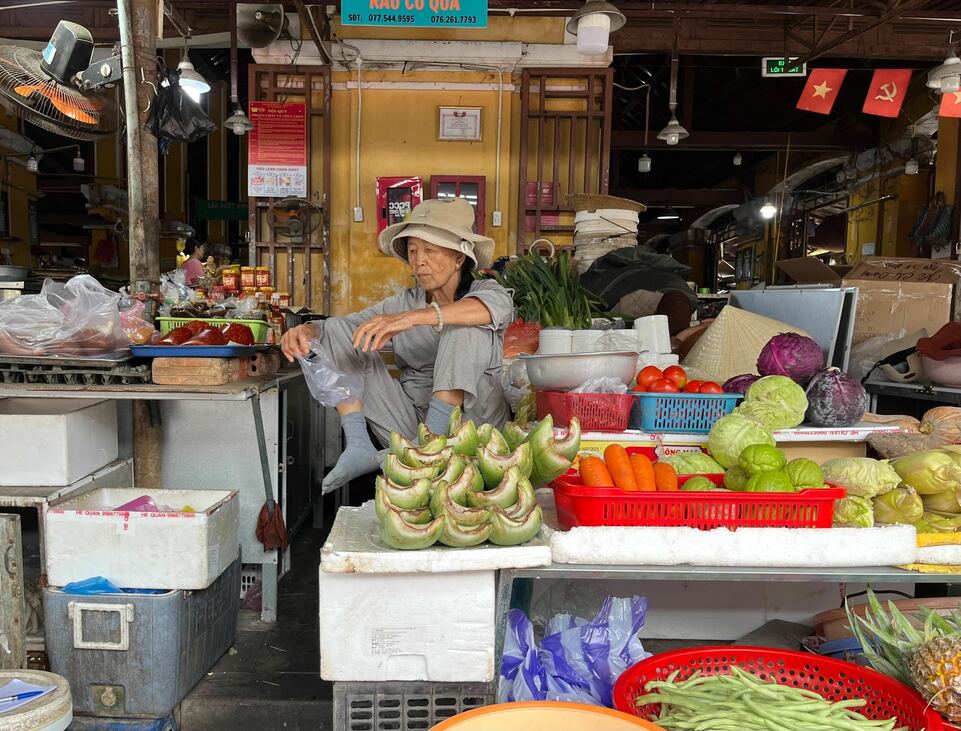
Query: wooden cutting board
(198, 371)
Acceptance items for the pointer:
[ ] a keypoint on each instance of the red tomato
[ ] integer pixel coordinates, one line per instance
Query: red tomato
(663, 385)
(647, 376)
(711, 388)
(693, 386)
(676, 374)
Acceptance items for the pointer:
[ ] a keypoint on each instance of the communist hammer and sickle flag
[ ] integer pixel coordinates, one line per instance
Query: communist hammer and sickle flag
(887, 92)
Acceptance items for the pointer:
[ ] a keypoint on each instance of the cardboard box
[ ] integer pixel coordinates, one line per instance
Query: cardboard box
(893, 293)
(410, 627)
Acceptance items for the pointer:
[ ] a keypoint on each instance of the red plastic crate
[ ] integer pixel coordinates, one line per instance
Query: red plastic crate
(595, 411)
(579, 506)
(835, 680)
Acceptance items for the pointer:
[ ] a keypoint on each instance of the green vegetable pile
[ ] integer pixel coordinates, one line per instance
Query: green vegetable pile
(742, 701)
(774, 402)
(473, 485)
(549, 291)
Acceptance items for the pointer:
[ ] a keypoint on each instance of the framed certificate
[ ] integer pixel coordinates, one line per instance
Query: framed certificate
(459, 123)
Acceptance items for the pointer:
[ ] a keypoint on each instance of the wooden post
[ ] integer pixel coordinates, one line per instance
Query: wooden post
(13, 633)
(144, 210)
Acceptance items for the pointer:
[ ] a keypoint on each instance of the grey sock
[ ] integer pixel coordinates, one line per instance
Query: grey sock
(438, 414)
(360, 457)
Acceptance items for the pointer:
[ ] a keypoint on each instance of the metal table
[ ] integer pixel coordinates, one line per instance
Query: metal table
(209, 442)
(920, 391)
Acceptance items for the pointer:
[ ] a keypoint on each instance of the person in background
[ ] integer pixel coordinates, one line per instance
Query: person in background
(193, 267)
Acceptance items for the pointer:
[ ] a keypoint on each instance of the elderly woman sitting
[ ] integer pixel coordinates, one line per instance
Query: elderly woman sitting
(447, 335)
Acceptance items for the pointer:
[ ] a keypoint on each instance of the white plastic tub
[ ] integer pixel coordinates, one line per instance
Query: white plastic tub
(86, 536)
(55, 442)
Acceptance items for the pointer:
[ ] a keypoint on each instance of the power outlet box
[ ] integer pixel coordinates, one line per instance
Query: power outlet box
(358, 214)
(496, 219)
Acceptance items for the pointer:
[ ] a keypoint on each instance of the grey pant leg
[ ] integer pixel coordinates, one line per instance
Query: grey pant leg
(386, 407)
(470, 359)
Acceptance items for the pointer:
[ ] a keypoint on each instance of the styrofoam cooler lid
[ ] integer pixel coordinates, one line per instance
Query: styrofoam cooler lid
(607, 214)
(52, 712)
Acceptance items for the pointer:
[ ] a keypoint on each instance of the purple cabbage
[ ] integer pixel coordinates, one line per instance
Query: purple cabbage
(740, 384)
(835, 399)
(792, 355)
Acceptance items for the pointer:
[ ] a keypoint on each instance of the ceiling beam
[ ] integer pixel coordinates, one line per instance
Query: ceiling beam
(763, 141)
(684, 198)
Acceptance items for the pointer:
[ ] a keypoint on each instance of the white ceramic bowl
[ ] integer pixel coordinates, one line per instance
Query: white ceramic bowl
(945, 372)
(567, 372)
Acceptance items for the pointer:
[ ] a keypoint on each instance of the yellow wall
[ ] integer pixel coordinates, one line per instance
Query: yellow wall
(21, 186)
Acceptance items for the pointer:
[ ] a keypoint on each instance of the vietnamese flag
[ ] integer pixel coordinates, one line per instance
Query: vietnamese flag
(821, 90)
(950, 104)
(887, 92)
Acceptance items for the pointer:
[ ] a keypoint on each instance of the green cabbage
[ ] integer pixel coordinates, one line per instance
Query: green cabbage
(735, 479)
(861, 476)
(853, 512)
(900, 505)
(932, 522)
(805, 473)
(731, 434)
(770, 482)
(699, 484)
(693, 463)
(775, 402)
(929, 472)
(760, 458)
(942, 502)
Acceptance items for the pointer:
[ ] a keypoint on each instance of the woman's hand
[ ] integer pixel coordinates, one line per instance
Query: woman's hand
(296, 342)
(375, 333)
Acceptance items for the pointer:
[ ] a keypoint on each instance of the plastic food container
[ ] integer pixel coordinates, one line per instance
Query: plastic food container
(262, 277)
(945, 372)
(231, 279)
(248, 277)
(681, 413)
(257, 327)
(544, 716)
(835, 680)
(595, 411)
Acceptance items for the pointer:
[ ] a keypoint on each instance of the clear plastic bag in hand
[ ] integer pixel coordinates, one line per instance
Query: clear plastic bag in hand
(327, 384)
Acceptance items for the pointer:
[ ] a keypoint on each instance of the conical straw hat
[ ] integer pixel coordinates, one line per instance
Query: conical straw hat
(732, 344)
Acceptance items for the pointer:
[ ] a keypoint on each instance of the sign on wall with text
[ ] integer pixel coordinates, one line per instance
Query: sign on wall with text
(277, 150)
(415, 13)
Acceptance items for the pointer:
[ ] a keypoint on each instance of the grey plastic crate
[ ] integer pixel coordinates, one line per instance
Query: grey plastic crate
(404, 706)
(138, 655)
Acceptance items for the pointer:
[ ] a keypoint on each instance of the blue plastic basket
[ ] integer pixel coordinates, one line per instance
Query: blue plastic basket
(680, 413)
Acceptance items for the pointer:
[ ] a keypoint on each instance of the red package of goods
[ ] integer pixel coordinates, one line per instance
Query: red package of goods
(239, 334)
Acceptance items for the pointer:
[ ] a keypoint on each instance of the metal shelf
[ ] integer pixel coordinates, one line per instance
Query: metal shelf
(922, 391)
(869, 574)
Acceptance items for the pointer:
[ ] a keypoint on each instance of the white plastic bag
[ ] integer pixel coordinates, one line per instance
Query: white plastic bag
(602, 385)
(327, 384)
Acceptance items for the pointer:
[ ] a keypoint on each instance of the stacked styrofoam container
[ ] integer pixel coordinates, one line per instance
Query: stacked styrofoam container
(600, 232)
(428, 615)
(654, 338)
(138, 653)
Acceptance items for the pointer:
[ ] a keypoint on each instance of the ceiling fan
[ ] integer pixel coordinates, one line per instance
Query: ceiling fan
(60, 88)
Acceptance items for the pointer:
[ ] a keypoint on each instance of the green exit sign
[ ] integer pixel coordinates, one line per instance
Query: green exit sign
(778, 66)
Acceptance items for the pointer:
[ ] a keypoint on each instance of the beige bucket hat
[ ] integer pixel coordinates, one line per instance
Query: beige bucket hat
(447, 223)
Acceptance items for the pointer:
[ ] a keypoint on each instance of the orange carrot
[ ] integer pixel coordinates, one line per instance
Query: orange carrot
(665, 477)
(594, 472)
(619, 465)
(643, 473)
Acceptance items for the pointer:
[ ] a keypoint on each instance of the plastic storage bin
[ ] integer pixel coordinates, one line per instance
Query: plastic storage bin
(87, 536)
(610, 506)
(595, 411)
(55, 441)
(258, 327)
(138, 655)
(680, 413)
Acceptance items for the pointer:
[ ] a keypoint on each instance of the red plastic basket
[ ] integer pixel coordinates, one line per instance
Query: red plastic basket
(610, 506)
(595, 411)
(835, 680)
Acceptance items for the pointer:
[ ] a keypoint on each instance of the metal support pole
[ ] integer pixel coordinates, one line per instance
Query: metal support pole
(138, 48)
(13, 638)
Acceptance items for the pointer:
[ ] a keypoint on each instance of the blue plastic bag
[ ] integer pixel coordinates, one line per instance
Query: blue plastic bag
(578, 660)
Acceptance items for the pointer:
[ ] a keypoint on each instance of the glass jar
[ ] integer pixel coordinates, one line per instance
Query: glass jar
(231, 279)
(262, 277)
(247, 278)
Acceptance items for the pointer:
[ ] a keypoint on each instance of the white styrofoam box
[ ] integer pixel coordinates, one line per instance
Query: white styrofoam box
(55, 441)
(414, 627)
(940, 555)
(758, 547)
(86, 536)
(354, 546)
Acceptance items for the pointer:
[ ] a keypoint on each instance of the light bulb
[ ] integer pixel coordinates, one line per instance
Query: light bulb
(32, 164)
(79, 164)
(911, 167)
(644, 163)
(950, 84)
(768, 211)
(593, 34)
(737, 159)
(673, 138)
(192, 92)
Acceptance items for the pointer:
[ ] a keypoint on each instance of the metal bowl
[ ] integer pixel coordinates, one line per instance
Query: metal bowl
(13, 274)
(568, 371)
